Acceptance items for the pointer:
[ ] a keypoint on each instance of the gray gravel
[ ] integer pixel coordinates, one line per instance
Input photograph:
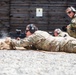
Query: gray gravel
(16, 62)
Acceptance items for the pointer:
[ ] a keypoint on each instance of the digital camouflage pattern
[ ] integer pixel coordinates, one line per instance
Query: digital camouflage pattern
(41, 40)
(71, 28)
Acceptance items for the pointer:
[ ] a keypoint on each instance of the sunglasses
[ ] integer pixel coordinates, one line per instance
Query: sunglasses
(26, 31)
(69, 12)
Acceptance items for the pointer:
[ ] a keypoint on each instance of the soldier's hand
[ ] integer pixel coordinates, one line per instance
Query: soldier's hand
(68, 26)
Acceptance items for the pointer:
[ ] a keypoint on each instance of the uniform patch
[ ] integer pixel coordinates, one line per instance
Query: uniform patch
(73, 21)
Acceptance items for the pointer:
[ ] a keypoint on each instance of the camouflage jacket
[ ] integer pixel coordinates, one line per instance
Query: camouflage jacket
(71, 28)
(63, 34)
(73, 23)
(42, 41)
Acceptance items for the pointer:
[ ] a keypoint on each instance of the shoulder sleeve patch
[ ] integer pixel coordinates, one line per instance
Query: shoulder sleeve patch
(73, 21)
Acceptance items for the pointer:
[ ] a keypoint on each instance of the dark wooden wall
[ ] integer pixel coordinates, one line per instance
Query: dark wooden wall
(18, 13)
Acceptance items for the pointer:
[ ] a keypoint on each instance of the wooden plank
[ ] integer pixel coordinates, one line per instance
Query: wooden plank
(22, 12)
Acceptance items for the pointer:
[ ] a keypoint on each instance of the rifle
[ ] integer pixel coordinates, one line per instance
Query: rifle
(17, 34)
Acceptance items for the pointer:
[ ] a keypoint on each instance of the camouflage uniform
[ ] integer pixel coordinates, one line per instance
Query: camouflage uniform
(59, 33)
(63, 34)
(71, 28)
(44, 41)
(5, 45)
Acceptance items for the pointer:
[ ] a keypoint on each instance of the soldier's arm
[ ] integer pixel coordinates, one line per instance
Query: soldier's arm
(73, 23)
(23, 42)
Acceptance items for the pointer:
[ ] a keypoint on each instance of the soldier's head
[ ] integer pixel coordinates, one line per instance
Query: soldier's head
(30, 29)
(70, 11)
(57, 32)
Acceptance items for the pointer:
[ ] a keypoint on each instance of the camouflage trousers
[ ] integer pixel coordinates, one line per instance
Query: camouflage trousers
(70, 46)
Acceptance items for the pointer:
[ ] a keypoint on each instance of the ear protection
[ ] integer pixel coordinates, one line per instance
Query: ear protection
(57, 30)
(73, 9)
(32, 28)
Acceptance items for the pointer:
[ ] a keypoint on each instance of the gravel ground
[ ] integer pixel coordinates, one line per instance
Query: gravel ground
(16, 62)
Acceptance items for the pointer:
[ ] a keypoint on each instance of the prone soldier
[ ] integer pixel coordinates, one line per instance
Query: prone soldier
(59, 33)
(42, 40)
